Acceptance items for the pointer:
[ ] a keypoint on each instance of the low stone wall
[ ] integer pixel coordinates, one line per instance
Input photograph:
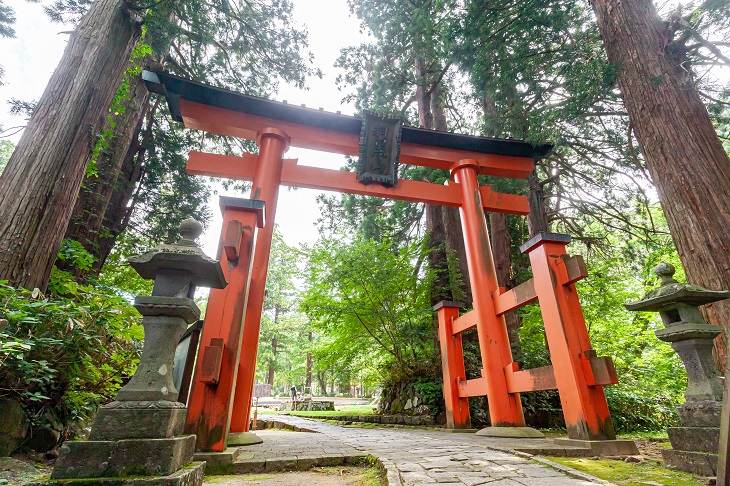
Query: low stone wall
(308, 406)
(382, 419)
(262, 424)
(405, 399)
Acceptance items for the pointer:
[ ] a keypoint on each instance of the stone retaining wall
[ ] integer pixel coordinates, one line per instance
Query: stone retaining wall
(307, 406)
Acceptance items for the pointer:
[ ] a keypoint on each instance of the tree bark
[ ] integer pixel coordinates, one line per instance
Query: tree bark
(442, 223)
(453, 234)
(123, 201)
(308, 379)
(537, 220)
(423, 95)
(685, 158)
(322, 380)
(441, 288)
(270, 372)
(97, 191)
(455, 245)
(43, 176)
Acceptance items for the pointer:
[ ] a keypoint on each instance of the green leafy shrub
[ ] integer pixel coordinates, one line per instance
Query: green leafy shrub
(63, 356)
(432, 392)
(632, 411)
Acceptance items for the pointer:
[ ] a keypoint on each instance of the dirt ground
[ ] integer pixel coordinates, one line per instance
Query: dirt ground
(332, 476)
(652, 448)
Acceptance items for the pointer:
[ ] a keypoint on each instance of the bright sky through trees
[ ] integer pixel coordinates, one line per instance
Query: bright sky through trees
(30, 58)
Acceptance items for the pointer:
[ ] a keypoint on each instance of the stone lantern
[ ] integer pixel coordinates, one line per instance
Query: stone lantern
(141, 432)
(695, 444)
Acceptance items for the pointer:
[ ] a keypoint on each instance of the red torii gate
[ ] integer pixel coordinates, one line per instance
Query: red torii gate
(225, 370)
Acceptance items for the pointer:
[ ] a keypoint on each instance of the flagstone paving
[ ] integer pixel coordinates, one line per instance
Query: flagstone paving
(410, 457)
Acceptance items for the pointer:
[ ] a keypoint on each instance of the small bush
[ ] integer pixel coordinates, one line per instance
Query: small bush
(633, 412)
(63, 356)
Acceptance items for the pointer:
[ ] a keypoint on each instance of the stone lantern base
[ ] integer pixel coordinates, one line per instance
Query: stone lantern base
(191, 475)
(132, 443)
(695, 444)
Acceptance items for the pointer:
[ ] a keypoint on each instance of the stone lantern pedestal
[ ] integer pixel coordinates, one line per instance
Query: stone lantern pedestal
(695, 444)
(138, 438)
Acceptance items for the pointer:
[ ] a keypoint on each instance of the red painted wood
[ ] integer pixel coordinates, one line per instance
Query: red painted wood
(243, 168)
(209, 406)
(267, 177)
(465, 322)
(242, 125)
(505, 408)
(584, 405)
(476, 387)
(452, 365)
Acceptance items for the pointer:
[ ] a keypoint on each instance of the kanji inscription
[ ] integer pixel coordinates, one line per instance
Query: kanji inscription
(379, 150)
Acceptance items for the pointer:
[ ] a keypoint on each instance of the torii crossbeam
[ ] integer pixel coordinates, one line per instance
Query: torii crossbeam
(221, 392)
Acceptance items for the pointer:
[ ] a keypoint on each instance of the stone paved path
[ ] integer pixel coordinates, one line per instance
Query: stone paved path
(411, 457)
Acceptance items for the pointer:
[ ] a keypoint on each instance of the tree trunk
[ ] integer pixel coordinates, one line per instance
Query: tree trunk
(321, 379)
(441, 288)
(97, 191)
(437, 259)
(42, 179)
(270, 372)
(308, 379)
(442, 223)
(537, 220)
(685, 158)
(122, 200)
(423, 95)
(453, 234)
(455, 245)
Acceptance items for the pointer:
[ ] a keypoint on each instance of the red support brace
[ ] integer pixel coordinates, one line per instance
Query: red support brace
(452, 364)
(214, 382)
(583, 402)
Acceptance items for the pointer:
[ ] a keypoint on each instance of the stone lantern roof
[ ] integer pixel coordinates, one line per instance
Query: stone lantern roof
(671, 293)
(183, 257)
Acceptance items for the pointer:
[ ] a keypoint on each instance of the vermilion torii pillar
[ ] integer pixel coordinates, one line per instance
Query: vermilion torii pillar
(277, 125)
(505, 408)
(266, 180)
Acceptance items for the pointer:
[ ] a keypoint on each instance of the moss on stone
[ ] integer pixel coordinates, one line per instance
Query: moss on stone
(630, 474)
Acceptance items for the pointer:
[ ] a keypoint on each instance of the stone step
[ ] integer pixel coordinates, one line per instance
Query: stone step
(295, 463)
(704, 439)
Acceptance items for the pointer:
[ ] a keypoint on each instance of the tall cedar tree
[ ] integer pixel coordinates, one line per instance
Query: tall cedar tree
(406, 65)
(215, 42)
(689, 166)
(43, 176)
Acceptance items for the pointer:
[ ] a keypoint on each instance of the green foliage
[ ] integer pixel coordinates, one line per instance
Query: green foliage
(370, 300)
(6, 150)
(432, 392)
(166, 194)
(284, 335)
(62, 356)
(118, 275)
(7, 19)
(633, 410)
(65, 353)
